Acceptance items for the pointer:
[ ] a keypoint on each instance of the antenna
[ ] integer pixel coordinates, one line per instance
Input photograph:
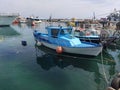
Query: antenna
(94, 16)
(50, 20)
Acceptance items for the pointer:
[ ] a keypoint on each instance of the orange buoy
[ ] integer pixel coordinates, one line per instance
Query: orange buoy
(59, 49)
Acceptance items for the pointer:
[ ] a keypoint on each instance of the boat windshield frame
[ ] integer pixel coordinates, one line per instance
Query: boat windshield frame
(59, 31)
(65, 31)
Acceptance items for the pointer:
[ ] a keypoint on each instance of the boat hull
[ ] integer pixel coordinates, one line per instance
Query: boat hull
(91, 51)
(90, 39)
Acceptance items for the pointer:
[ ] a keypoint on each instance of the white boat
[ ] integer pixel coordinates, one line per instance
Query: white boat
(60, 39)
(33, 20)
(7, 19)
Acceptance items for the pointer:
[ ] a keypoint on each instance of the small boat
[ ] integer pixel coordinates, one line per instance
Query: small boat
(19, 20)
(105, 37)
(61, 39)
(7, 19)
(88, 31)
(33, 20)
(89, 35)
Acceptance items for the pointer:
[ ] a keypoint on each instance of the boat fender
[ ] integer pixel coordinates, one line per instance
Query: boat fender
(15, 22)
(59, 49)
(39, 43)
(116, 82)
(24, 43)
(33, 24)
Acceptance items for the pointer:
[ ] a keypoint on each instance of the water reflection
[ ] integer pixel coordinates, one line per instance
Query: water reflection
(7, 32)
(47, 59)
(114, 50)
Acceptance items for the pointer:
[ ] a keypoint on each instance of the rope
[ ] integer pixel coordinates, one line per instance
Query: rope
(104, 69)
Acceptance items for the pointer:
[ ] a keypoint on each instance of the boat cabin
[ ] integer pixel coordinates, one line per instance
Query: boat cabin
(56, 32)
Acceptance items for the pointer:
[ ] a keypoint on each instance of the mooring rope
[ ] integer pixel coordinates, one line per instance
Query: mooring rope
(104, 73)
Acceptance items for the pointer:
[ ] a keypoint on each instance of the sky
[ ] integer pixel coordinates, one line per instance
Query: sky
(80, 9)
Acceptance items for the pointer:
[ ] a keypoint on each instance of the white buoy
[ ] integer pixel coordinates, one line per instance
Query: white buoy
(39, 43)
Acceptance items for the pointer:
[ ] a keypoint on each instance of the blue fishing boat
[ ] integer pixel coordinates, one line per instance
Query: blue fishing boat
(87, 35)
(105, 37)
(88, 31)
(61, 39)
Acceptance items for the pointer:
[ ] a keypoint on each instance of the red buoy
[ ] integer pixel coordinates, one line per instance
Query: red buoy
(33, 23)
(15, 22)
(59, 49)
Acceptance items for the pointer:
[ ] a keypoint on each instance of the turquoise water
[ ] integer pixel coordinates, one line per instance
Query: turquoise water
(32, 68)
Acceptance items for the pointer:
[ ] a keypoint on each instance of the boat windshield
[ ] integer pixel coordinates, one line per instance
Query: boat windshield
(54, 33)
(65, 31)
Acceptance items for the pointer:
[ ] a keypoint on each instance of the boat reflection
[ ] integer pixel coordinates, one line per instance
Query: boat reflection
(48, 60)
(7, 32)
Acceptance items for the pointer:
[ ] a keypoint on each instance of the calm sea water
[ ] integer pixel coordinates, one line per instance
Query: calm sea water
(39, 68)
